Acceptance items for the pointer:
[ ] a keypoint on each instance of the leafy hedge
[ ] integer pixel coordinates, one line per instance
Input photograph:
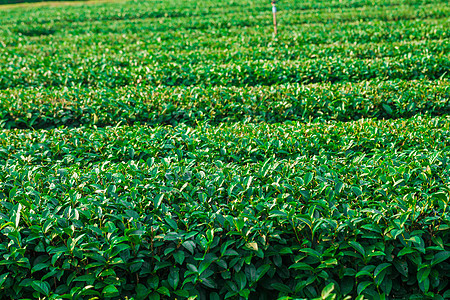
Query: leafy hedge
(250, 73)
(220, 45)
(254, 143)
(156, 105)
(368, 216)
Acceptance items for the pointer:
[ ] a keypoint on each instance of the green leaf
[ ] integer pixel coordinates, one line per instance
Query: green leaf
(174, 278)
(357, 246)
(42, 287)
(244, 293)
(214, 296)
(150, 161)
(172, 223)
(402, 267)
(39, 267)
(339, 186)
(363, 273)
(189, 245)
(423, 273)
(3, 278)
(153, 282)
(312, 253)
(362, 286)
(163, 291)
(110, 291)
(380, 268)
(85, 278)
(261, 271)
(154, 296)
(357, 191)
(286, 250)
(179, 257)
(424, 285)
(440, 257)
(117, 249)
(301, 266)
(396, 232)
(142, 291)
(414, 239)
(12, 193)
(406, 250)
(347, 284)
(209, 283)
(386, 285)
(157, 200)
(327, 290)
(132, 214)
(387, 108)
(17, 217)
(308, 177)
(329, 263)
(240, 279)
(192, 268)
(252, 246)
(250, 271)
(88, 291)
(182, 293)
(277, 213)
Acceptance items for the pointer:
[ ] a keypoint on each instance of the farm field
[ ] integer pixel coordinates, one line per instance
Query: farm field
(178, 150)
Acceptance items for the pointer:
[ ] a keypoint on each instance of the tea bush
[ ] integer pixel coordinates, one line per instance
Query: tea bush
(226, 211)
(37, 108)
(177, 150)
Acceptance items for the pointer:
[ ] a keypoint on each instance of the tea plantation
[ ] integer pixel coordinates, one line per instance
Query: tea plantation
(176, 149)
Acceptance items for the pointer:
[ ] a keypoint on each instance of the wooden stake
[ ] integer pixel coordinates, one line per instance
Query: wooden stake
(274, 12)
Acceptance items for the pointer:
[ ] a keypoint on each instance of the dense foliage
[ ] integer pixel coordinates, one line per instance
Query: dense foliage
(37, 108)
(176, 149)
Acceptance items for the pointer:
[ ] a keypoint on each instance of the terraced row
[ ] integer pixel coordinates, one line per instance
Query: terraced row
(25, 108)
(131, 10)
(227, 211)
